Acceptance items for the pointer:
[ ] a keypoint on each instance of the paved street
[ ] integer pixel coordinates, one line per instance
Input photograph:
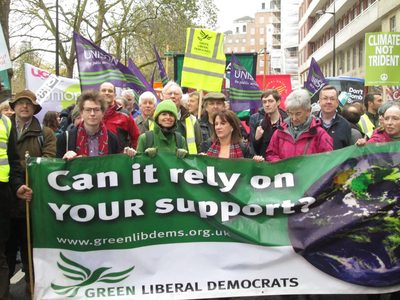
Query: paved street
(17, 288)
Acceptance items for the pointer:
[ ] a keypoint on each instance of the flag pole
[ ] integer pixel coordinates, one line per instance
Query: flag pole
(200, 105)
(166, 62)
(28, 227)
(265, 64)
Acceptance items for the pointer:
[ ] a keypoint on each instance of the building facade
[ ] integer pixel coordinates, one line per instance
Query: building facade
(354, 18)
(273, 21)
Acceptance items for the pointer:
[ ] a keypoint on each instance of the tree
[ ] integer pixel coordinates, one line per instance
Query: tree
(118, 26)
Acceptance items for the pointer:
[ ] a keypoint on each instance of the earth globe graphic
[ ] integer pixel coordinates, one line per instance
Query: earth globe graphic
(352, 231)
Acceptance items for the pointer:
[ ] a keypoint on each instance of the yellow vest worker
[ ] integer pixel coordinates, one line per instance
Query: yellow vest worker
(204, 62)
(5, 128)
(366, 125)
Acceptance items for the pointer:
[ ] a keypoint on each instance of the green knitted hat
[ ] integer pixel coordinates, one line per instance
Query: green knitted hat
(166, 105)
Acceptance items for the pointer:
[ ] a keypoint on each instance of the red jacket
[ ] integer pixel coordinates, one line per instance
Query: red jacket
(379, 137)
(283, 146)
(121, 123)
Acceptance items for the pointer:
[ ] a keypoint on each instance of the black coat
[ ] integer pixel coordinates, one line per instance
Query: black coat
(113, 146)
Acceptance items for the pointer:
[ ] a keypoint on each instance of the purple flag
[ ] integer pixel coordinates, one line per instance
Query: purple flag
(163, 74)
(315, 78)
(152, 76)
(97, 66)
(140, 80)
(244, 91)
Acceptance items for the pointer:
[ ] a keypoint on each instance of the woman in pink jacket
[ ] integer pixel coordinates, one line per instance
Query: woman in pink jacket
(301, 133)
(389, 130)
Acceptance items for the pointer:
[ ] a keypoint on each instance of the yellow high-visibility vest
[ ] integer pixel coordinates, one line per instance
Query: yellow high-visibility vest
(204, 63)
(5, 130)
(366, 125)
(190, 136)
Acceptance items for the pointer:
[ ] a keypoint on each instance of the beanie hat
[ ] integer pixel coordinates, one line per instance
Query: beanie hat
(75, 113)
(166, 105)
(26, 94)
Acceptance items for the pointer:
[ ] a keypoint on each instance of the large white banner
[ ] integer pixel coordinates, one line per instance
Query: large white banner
(5, 62)
(64, 94)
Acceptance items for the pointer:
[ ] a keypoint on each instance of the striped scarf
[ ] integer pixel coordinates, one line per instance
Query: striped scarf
(235, 151)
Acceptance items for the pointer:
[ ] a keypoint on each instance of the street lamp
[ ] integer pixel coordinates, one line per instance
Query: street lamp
(322, 12)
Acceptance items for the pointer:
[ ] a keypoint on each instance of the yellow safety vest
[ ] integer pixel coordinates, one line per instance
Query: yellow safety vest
(190, 136)
(5, 130)
(204, 63)
(366, 125)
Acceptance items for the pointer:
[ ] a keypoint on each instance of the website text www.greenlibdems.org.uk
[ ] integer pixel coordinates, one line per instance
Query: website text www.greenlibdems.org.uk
(141, 236)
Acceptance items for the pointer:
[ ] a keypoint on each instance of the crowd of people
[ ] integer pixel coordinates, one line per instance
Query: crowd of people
(102, 124)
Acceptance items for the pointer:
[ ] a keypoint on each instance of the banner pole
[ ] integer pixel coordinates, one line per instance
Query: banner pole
(28, 226)
(166, 62)
(200, 105)
(265, 64)
(384, 93)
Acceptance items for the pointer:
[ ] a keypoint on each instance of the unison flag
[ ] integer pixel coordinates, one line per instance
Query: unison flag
(204, 63)
(244, 91)
(97, 66)
(163, 74)
(152, 76)
(315, 78)
(140, 80)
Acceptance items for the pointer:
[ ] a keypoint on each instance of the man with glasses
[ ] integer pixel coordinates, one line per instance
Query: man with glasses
(90, 137)
(334, 124)
(118, 120)
(39, 141)
(188, 125)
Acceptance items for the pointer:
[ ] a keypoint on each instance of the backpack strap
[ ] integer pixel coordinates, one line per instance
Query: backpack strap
(178, 139)
(149, 139)
(41, 138)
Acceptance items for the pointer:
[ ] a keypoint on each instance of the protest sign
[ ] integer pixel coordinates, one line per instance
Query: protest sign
(5, 61)
(203, 227)
(382, 58)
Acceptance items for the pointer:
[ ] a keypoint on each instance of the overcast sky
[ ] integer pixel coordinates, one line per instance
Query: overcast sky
(230, 10)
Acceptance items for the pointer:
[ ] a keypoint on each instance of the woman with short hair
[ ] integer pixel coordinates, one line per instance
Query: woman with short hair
(301, 133)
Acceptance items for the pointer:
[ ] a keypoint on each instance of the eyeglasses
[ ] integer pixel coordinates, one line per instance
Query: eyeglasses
(325, 99)
(23, 102)
(88, 110)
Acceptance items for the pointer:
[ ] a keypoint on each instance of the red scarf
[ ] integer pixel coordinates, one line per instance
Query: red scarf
(82, 147)
(236, 151)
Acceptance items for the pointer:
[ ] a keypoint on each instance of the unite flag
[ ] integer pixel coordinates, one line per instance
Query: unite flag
(161, 69)
(315, 78)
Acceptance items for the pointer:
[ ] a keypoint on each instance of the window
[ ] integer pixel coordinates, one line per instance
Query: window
(252, 50)
(330, 68)
(393, 24)
(252, 42)
(348, 60)
(244, 28)
(262, 5)
(344, 23)
(354, 58)
(262, 30)
(252, 31)
(355, 12)
(369, 2)
(361, 7)
(261, 20)
(348, 18)
(237, 41)
(244, 41)
(312, 48)
(242, 49)
(262, 41)
(261, 63)
(235, 49)
(228, 49)
(360, 55)
(230, 41)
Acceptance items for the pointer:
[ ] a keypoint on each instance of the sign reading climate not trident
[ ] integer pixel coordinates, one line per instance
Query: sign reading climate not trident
(382, 58)
(204, 62)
